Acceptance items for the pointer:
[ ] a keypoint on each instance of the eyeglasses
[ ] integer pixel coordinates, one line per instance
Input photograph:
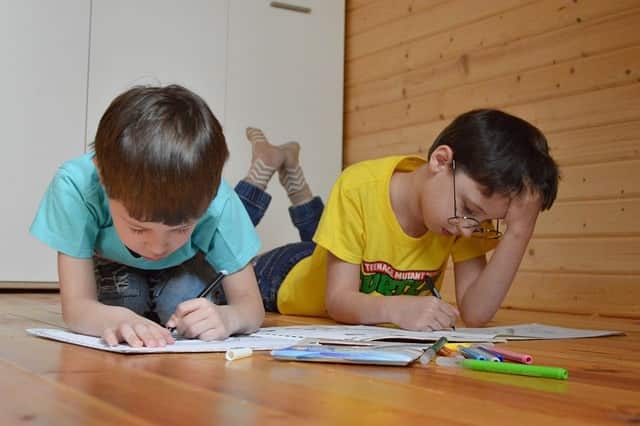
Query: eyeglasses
(486, 230)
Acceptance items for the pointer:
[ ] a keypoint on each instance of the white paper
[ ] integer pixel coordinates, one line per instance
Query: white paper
(365, 333)
(539, 331)
(181, 345)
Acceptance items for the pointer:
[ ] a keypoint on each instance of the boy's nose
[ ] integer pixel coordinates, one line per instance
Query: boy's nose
(466, 232)
(158, 248)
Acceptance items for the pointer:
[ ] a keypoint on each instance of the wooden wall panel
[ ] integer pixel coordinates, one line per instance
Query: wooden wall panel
(522, 36)
(440, 16)
(621, 67)
(607, 255)
(520, 54)
(597, 144)
(600, 294)
(601, 180)
(571, 67)
(366, 20)
(592, 218)
(592, 108)
(353, 5)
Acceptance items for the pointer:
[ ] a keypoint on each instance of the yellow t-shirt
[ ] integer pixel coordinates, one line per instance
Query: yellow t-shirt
(359, 226)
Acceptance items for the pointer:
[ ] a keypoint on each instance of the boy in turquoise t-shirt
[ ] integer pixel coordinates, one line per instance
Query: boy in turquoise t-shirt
(140, 224)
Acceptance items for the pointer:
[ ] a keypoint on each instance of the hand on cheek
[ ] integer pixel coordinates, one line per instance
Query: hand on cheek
(523, 211)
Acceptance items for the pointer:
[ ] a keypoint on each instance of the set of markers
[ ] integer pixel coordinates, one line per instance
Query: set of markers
(490, 358)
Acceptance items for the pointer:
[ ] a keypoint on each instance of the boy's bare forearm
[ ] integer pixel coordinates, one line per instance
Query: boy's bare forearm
(360, 308)
(81, 310)
(483, 298)
(244, 317)
(244, 312)
(93, 318)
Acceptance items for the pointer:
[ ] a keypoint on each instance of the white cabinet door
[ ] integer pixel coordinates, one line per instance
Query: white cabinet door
(156, 42)
(285, 75)
(43, 82)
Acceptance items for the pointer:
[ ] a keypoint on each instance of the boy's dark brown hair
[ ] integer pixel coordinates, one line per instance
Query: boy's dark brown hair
(160, 152)
(503, 153)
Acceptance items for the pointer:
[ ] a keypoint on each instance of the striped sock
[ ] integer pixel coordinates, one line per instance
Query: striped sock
(265, 159)
(255, 135)
(296, 185)
(260, 174)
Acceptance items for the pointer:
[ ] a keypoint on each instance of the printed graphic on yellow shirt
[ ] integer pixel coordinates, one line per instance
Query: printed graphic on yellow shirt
(380, 277)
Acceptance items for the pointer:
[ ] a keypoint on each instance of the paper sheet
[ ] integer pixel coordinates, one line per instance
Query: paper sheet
(365, 333)
(539, 331)
(181, 345)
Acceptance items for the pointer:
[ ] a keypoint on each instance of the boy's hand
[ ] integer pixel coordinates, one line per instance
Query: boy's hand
(523, 212)
(423, 313)
(137, 333)
(200, 318)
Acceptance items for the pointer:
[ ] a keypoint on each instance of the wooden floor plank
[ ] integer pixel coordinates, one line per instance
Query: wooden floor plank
(28, 399)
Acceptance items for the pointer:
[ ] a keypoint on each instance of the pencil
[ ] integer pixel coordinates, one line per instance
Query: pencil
(212, 286)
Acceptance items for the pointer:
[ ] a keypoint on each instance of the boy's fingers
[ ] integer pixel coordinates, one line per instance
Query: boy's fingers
(144, 333)
(194, 323)
(218, 333)
(164, 333)
(109, 336)
(129, 336)
(172, 321)
(158, 335)
(167, 336)
(445, 321)
(197, 328)
(186, 307)
(205, 312)
(451, 310)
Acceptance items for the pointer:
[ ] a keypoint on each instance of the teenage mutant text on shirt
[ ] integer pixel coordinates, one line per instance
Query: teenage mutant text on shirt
(382, 278)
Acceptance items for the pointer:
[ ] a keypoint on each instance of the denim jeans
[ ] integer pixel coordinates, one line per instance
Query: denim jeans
(272, 267)
(155, 294)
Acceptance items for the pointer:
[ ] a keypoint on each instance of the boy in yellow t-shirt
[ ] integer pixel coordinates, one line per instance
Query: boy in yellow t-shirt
(391, 224)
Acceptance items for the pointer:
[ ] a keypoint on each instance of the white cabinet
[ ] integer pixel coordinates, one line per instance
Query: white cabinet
(285, 75)
(254, 65)
(156, 42)
(43, 92)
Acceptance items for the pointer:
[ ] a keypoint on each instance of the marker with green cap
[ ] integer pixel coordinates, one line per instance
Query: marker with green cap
(512, 368)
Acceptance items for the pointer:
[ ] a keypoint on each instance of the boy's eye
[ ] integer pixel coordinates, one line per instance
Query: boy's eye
(137, 231)
(183, 230)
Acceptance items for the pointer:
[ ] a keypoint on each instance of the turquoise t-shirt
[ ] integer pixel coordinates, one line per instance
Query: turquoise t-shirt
(74, 218)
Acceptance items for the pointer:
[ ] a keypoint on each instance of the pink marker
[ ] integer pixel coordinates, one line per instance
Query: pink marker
(510, 355)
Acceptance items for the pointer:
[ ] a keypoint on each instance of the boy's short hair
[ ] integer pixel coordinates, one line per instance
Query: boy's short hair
(503, 153)
(160, 152)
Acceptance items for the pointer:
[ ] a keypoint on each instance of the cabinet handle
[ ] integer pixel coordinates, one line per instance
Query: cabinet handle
(291, 7)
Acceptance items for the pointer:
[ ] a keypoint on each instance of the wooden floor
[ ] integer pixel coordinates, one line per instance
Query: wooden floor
(46, 382)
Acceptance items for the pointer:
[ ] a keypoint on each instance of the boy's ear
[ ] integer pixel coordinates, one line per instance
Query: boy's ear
(441, 159)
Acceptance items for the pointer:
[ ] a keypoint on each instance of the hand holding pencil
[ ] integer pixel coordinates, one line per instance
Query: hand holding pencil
(436, 294)
(199, 317)
(421, 313)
